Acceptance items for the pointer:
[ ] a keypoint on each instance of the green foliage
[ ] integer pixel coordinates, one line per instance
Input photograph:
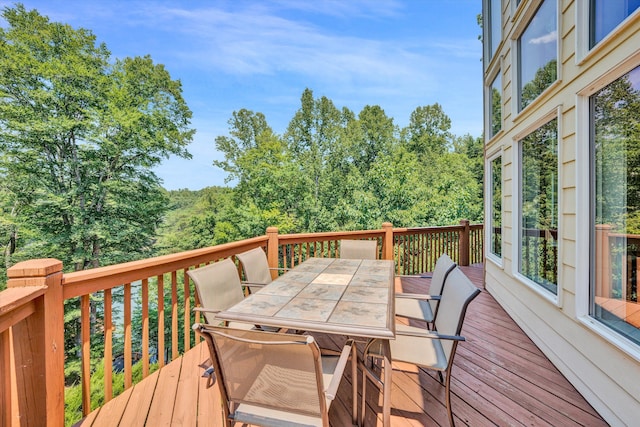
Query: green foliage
(79, 135)
(73, 393)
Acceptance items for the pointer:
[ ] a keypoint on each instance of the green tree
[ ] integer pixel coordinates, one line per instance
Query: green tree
(428, 133)
(80, 136)
(312, 136)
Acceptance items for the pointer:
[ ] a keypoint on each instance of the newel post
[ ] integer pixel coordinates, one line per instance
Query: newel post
(273, 247)
(38, 344)
(387, 243)
(463, 242)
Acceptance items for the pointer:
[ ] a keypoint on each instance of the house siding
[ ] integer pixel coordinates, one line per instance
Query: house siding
(607, 374)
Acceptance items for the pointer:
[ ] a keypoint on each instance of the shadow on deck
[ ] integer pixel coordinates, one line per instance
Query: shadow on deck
(499, 378)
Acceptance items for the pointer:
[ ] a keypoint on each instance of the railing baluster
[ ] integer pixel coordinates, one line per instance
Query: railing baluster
(127, 336)
(108, 346)
(174, 315)
(187, 312)
(145, 328)
(85, 332)
(161, 320)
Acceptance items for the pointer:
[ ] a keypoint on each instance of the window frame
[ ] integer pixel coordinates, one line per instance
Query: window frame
(525, 15)
(490, 104)
(489, 54)
(583, 26)
(584, 202)
(497, 154)
(556, 299)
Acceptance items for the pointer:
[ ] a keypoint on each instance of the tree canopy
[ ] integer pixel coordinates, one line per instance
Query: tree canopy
(79, 134)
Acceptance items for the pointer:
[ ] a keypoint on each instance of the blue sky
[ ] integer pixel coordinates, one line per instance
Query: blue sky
(261, 55)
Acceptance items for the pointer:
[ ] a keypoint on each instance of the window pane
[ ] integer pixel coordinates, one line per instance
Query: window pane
(495, 23)
(496, 105)
(496, 206)
(538, 53)
(616, 198)
(606, 15)
(539, 207)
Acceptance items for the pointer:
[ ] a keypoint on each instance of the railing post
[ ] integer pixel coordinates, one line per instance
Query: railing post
(463, 243)
(272, 250)
(387, 244)
(39, 345)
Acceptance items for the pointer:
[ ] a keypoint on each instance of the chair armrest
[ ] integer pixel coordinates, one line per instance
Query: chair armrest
(431, 334)
(253, 285)
(332, 389)
(422, 276)
(206, 310)
(418, 296)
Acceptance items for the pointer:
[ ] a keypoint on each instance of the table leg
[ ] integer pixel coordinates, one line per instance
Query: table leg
(386, 392)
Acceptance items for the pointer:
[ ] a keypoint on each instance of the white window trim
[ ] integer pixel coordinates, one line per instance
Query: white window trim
(526, 17)
(489, 206)
(583, 202)
(516, 9)
(583, 54)
(555, 113)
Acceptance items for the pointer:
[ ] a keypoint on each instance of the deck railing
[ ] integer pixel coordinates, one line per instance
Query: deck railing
(32, 381)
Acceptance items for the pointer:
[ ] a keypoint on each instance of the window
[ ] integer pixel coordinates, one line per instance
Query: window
(495, 187)
(538, 54)
(605, 15)
(495, 26)
(615, 199)
(539, 207)
(495, 106)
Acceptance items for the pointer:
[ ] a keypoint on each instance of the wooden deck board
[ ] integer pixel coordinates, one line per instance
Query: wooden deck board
(499, 378)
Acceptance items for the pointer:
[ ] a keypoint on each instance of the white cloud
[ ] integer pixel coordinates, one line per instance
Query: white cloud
(547, 38)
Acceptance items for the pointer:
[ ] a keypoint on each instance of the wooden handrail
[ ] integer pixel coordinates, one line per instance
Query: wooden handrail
(166, 273)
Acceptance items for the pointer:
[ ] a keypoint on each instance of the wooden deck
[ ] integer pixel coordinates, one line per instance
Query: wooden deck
(500, 378)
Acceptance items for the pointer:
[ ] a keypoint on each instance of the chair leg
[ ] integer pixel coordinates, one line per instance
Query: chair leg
(448, 398)
(440, 376)
(354, 384)
(364, 396)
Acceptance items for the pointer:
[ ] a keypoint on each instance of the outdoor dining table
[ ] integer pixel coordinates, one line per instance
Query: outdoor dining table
(350, 297)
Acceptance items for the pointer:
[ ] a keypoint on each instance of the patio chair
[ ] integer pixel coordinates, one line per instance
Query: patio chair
(425, 306)
(218, 287)
(270, 379)
(358, 249)
(432, 350)
(256, 267)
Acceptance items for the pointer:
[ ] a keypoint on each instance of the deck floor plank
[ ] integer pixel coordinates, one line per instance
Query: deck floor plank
(500, 378)
(137, 410)
(162, 406)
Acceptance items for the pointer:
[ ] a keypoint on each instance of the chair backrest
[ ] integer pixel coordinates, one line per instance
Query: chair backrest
(218, 286)
(268, 370)
(444, 266)
(456, 296)
(255, 265)
(358, 249)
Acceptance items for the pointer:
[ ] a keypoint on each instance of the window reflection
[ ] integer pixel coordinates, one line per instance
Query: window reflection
(538, 53)
(496, 207)
(605, 15)
(539, 207)
(616, 205)
(496, 105)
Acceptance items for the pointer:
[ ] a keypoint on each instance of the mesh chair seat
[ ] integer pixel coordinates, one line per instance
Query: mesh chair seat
(272, 379)
(433, 350)
(425, 307)
(255, 266)
(358, 249)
